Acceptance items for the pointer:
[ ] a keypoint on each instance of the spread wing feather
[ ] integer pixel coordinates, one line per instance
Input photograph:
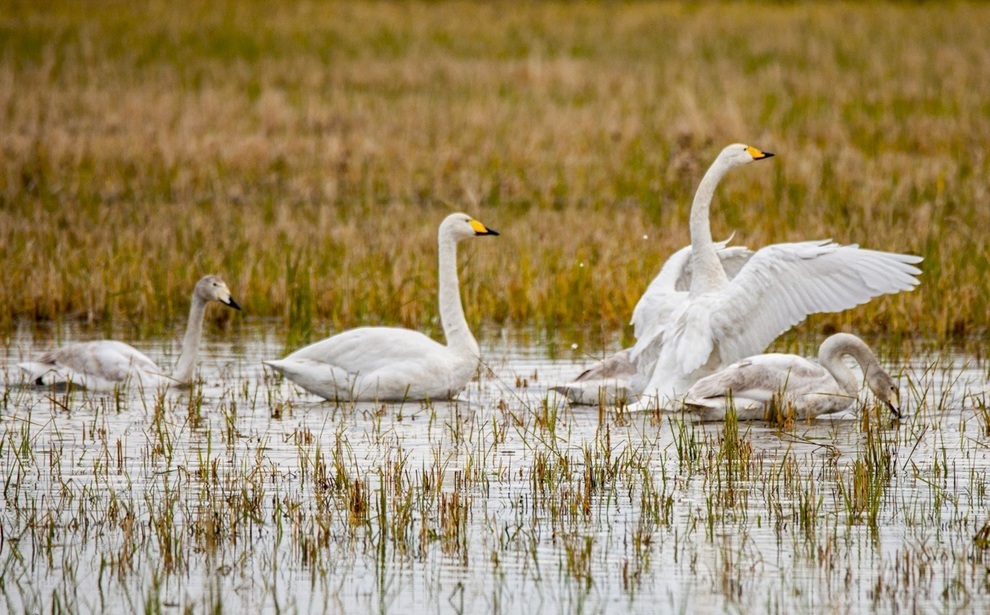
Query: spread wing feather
(783, 284)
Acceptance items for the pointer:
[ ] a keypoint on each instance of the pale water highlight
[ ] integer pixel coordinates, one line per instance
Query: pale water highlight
(248, 494)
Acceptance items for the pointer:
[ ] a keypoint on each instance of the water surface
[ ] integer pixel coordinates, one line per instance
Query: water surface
(249, 494)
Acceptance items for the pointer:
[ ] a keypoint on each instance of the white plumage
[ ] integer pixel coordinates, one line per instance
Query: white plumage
(106, 364)
(718, 321)
(799, 388)
(393, 364)
(608, 382)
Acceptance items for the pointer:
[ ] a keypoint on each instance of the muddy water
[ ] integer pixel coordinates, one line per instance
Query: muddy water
(247, 493)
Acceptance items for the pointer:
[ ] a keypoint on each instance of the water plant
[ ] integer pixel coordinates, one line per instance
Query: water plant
(132, 135)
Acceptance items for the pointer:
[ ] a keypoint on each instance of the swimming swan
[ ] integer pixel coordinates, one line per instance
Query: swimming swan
(608, 382)
(718, 321)
(106, 364)
(793, 383)
(392, 364)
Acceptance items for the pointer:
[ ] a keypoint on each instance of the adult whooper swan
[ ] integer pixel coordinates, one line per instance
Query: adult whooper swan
(608, 382)
(797, 386)
(393, 364)
(106, 364)
(718, 321)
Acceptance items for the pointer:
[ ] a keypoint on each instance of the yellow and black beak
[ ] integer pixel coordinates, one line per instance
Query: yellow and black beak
(481, 229)
(758, 154)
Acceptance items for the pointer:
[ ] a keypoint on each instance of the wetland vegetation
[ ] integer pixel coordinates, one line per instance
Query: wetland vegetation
(306, 152)
(246, 493)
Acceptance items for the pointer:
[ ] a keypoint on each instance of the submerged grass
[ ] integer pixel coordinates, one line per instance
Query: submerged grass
(497, 503)
(307, 153)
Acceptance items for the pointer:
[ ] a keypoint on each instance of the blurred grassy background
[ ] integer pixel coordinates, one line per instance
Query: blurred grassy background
(307, 151)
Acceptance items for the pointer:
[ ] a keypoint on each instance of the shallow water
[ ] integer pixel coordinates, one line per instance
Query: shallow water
(249, 494)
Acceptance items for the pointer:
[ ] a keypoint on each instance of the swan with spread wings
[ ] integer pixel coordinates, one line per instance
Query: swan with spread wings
(718, 321)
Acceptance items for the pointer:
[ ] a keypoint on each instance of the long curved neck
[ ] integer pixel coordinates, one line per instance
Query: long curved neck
(455, 327)
(830, 356)
(707, 271)
(186, 367)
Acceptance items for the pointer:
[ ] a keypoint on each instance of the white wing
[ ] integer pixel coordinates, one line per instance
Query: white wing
(109, 361)
(784, 283)
(369, 349)
(667, 295)
(616, 366)
(733, 260)
(380, 363)
(661, 295)
(761, 377)
(674, 278)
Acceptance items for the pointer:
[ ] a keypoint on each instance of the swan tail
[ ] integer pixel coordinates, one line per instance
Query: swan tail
(317, 377)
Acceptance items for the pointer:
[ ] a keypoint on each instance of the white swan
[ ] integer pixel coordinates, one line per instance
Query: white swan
(392, 364)
(718, 321)
(106, 364)
(606, 383)
(609, 381)
(796, 386)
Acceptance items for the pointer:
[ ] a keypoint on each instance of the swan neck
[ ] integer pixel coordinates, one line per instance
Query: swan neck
(186, 367)
(455, 326)
(830, 357)
(707, 273)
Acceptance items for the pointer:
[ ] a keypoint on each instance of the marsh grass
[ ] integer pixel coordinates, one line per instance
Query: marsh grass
(584, 503)
(308, 152)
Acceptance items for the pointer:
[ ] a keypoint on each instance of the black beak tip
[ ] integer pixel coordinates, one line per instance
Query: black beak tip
(894, 410)
(768, 154)
(492, 232)
(233, 304)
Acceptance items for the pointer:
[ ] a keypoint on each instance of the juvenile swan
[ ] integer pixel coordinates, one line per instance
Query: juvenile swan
(718, 321)
(795, 384)
(392, 364)
(105, 364)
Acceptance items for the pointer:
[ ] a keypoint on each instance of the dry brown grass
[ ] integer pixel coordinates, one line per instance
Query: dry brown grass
(307, 151)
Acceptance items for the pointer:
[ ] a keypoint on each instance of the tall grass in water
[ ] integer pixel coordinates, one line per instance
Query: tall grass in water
(308, 151)
(363, 505)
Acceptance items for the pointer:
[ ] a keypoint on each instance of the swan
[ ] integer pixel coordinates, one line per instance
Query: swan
(802, 387)
(106, 364)
(718, 321)
(605, 383)
(393, 364)
(608, 382)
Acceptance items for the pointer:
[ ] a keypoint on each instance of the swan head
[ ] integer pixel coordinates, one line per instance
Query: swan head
(885, 389)
(212, 288)
(739, 154)
(461, 226)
